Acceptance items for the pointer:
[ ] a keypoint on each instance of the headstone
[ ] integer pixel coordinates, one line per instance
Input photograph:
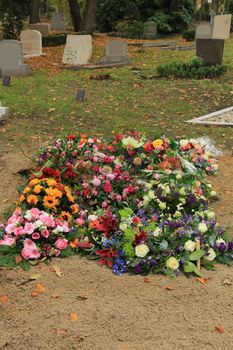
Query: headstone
(210, 50)
(6, 81)
(3, 111)
(43, 28)
(116, 52)
(80, 95)
(150, 29)
(11, 59)
(31, 41)
(78, 49)
(58, 22)
(218, 28)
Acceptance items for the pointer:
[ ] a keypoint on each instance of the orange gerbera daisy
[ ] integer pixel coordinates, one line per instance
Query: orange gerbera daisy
(27, 189)
(32, 199)
(50, 202)
(21, 198)
(34, 182)
(66, 216)
(54, 192)
(75, 208)
(51, 182)
(68, 194)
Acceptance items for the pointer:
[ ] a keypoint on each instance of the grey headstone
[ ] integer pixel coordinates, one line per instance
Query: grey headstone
(210, 50)
(150, 29)
(11, 59)
(116, 52)
(57, 22)
(6, 80)
(43, 28)
(80, 95)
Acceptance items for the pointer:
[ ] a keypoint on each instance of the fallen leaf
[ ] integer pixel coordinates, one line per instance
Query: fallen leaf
(35, 294)
(18, 259)
(55, 296)
(216, 266)
(168, 287)
(79, 297)
(57, 270)
(35, 276)
(40, 288)
(227, 282)
(4, 298)
(219, 329)
(146, 280)
(51, 110)
(201, 280)
(73, 316)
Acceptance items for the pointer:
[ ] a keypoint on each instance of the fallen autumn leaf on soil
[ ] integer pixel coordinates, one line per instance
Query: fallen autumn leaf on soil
(73, 316)
(4, 298)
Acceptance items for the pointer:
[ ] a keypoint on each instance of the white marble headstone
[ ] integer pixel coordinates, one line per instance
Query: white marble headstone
(31, 41)
(11, 59)
(78, 49)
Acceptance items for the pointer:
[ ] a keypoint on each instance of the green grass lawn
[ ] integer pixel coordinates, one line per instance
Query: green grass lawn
(42, 106)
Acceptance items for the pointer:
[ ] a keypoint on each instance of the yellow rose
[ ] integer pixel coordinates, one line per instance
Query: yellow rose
(190, 246)
(172, 263)
(157, 143)
(141, 250)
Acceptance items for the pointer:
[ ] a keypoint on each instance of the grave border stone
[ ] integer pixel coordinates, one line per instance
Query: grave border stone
(202, 119)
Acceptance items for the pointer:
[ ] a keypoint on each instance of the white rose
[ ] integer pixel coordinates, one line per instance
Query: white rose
(210, 214)
(162, 205)
(184, 143)
(148, 185)
(146, 201)
(172, 263)
(123, 226)
(219, 241)
(190, 246)
(141, 250)
(151, 194)
(92, 217)
(211, 255)
(157, 232)
(202, 227)
(167, 190)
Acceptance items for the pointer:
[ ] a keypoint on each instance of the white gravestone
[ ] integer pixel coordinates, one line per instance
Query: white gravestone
(219, 28)
(43, 28)
(11, 59)
(3, 111)
(78, 49)
(31, 41)
(58, 22)
(116, 52)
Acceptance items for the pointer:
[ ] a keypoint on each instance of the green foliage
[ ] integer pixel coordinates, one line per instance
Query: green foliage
(229, 9)
(195, 69)
(162, 20)
(54, 40)
(189, 34)
(203, 13)
(12, 15)
(129, 29)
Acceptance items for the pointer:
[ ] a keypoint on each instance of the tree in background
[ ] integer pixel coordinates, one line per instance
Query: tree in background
(83, 15)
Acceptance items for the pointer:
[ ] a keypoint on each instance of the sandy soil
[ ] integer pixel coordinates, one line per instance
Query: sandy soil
(117, 313)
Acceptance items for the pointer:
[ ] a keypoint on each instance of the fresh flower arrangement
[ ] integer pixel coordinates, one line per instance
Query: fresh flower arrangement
(138, 205)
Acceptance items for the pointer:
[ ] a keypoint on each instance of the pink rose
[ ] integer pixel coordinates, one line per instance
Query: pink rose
(30, 250)
(18, 231)
(45, 233)
(61, 243)
(96, 182)
(36, 235)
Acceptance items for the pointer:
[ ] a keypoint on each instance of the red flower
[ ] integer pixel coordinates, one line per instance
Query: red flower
(107, 187)
(71, 137)
(86, 192)
(84, 245)
(108, 223)
(142, 237)
(107, 256)
(148, 147)
(131, 189)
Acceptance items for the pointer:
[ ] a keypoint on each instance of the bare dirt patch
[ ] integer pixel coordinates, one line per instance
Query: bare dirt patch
(115, 313)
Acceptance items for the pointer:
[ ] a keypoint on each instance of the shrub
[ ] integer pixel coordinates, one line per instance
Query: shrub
(162, 20)
(12, 15)
(195, 69)
(54, 40)
(189, 34)
(128, 28)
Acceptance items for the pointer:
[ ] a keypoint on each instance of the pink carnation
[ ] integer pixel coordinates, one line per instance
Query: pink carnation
(61, 243)
(10, 228)
(19, 231)
(30, 250)
(35, 213)
(7, 240)
(29, 228)
(96, 182)
(45, 233)
(47, 220)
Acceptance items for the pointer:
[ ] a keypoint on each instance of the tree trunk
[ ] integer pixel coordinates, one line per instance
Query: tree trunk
(175, 5)
(34, 11)
(88, 23)
(75, 14)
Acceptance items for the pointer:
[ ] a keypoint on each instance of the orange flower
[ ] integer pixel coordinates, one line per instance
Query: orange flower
(50, 202)
(75, 208)
(26, 190)
(37, 189)
(21, 198)
(94, 224)
(34, 182)
(82, 141)
(51, 182)
(54, 192)
(157, 143)
(32, 199)
(73, 244)
(68, 194)
(66, 216)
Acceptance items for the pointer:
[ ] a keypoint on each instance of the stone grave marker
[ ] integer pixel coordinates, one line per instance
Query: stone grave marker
(150, 29)
(3, 111)
(80, 95)
(78, 49)
(43, 28)
(210, 50)
(11, 59)
(6, 80)
(31, 41)
(58, 23)
(203, 31)
(116, 52)
(218, 28)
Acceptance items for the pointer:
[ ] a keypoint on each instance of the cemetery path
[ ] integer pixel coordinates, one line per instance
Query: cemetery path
(115, 312)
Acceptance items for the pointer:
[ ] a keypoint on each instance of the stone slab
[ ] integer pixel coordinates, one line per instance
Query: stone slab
(206, 119)
(31, 41)
(58, 24)
(11, 59)
(150, 29)
(43, 28)
(160, 44)
(116, 52)
(78, 49)
(94, 66)
(210, 50)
